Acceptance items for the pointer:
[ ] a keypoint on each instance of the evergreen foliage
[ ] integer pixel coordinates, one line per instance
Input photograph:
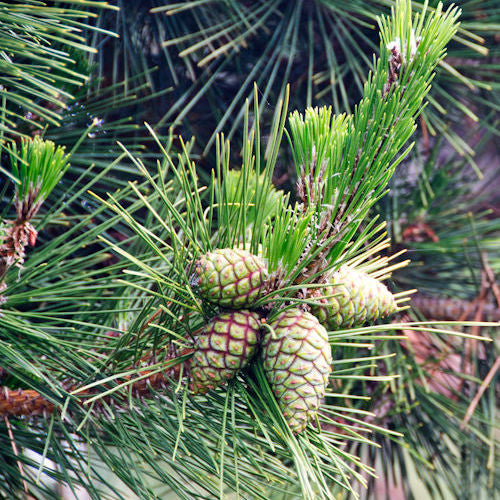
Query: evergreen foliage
(212, 52)
(103, 223)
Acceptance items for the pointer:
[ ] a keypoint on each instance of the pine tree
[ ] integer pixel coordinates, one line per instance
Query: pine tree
(109, 253)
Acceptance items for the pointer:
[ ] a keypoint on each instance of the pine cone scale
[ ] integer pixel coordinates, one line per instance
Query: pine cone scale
(297, 361)
(231, 277)
(224, 347)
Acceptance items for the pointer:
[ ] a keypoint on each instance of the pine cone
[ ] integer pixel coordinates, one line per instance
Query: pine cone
(224, 347)
(359, 298)
(297, 360)
(230, 277)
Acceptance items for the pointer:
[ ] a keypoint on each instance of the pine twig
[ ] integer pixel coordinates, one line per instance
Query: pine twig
(484, 385)
(30, 403)
(27, 402)
(23, 402)
(16, 453)
(490, 275)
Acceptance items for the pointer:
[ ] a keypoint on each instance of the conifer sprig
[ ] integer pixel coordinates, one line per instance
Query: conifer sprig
(348, 168)
(138, 318)
(38, 165)
(195, 219)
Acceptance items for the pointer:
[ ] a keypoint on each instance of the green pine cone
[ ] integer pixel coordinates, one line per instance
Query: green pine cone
(224, 347)
(297, 360)
(230, 277)
(359, 298)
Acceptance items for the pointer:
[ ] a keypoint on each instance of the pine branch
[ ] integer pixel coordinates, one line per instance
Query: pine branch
(29, 403)
(118, 394)
(226, 218)
(41, 45)
(19, 403)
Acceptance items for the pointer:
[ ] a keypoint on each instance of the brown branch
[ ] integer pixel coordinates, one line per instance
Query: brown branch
(27, 402)
(491, 277)
(16, 453)
(23, 402)
(425, 135)
(484, 385)
(19, 402)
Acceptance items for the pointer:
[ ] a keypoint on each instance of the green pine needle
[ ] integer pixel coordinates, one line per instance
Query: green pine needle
(38, 165)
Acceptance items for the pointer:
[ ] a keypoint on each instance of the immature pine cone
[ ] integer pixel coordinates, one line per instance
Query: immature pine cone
(230, 277)
(224, 347)
(297, 361)
(359, 298)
